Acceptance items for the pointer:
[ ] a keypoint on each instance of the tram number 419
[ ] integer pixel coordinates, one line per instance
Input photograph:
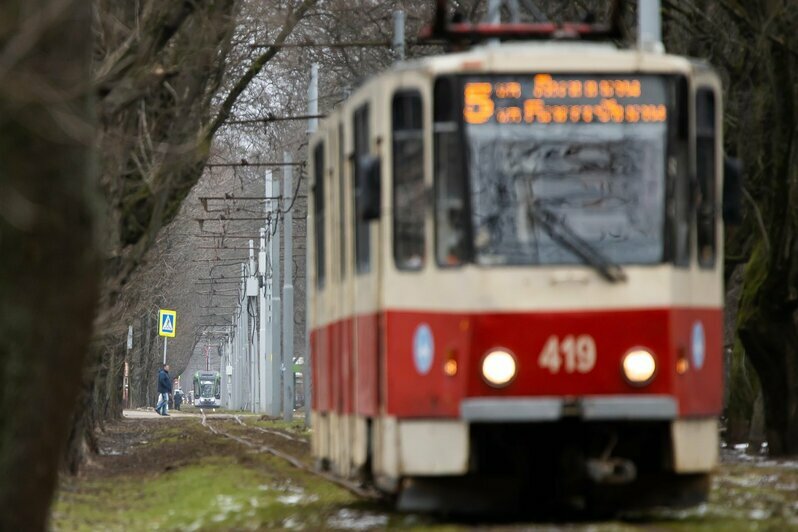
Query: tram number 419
(572, 353)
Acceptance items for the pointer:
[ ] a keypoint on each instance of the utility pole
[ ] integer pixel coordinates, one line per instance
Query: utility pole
(494, 16)
(288, 295)
(649, 26)
(254, 386)
(229, 368)
(398, 43)
(274, 259)
(263, 357)
(313, 110)
(313, 98)
(126, 377)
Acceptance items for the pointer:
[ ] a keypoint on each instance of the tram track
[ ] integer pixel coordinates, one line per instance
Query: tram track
(295, 461)
(272, 432)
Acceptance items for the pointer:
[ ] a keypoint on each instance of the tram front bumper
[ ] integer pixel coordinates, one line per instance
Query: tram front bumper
(593, 408)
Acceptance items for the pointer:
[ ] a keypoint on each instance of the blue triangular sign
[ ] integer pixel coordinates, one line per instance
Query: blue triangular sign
(167, 326)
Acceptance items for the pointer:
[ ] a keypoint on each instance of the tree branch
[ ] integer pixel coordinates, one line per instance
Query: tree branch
(255, 68)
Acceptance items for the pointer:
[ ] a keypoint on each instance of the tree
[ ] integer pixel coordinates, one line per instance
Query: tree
(164, 88)
(49, 270)
(754, 46)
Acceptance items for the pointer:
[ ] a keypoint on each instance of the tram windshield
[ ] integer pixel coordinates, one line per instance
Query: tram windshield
(587, 151)
(206, 389)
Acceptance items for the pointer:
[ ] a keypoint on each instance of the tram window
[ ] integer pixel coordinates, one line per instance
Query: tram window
(318, 211)
(451, 238)
(362, 233)
(705, 170)
(341, 195)
(408, 181)
(680, 208)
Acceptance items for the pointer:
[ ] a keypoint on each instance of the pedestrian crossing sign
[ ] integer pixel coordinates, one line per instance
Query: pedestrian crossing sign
(167, 319)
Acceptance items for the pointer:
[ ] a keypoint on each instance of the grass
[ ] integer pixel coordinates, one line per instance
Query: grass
(214, 493)
(296, 427)
(178, 476)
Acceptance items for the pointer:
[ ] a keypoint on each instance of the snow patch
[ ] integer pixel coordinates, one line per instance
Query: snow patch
(352, 520)
(759, 514)
(291, 499)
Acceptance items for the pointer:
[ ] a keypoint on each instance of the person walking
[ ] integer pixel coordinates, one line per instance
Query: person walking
(178, 398)
(164, 389)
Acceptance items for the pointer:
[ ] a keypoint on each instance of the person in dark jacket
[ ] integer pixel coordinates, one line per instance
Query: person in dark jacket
(178, 398)
(164, 389)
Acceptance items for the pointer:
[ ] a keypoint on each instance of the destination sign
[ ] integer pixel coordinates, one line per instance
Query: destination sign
(563, 99)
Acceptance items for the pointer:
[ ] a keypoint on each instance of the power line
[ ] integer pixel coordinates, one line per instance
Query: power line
(347, 44)
(239, 198)
(222, 247)
(222, 235)
(223, 218)
(271, 118)
(235, 260)
(246, 163)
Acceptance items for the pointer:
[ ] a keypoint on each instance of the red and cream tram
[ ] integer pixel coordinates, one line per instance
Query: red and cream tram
(515, 259)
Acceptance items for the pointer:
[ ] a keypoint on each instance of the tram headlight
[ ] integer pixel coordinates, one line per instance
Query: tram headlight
(499, 368)
(639, 366)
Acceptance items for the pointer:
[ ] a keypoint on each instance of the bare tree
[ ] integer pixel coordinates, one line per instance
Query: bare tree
(49, 270)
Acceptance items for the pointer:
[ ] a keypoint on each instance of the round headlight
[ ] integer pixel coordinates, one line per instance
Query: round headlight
(498, 368)
(639, 366)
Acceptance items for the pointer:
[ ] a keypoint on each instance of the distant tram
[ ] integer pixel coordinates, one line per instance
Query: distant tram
(207, 389)
(516, 275)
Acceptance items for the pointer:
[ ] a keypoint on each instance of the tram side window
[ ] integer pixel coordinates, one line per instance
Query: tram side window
(318, 211)
(451, 238)
(679, 185)
(408, 181)
(362, 233)
(341, 195)
(705, 169)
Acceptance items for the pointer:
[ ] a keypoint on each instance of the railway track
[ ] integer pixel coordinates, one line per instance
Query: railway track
(352, 487)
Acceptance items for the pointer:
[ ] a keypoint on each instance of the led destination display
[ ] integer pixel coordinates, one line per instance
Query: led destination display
(562, 99)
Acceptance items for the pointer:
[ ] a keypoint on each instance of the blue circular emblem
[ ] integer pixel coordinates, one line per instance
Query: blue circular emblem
(423, 348)
(698, 345)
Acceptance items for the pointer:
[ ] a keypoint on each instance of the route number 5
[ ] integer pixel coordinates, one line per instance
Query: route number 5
(576, 353)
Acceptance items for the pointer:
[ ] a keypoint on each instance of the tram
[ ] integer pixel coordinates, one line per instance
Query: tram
(515, 256)
(207, 389)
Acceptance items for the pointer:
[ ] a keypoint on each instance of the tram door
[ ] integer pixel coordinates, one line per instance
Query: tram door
(365, 164)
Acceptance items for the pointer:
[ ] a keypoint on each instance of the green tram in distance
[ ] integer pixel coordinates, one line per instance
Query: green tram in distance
(207, 389)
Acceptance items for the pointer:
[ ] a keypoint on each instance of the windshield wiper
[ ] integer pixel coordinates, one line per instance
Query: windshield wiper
(561, 233)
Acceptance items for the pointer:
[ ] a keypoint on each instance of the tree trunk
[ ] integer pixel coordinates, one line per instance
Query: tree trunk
(767, 317)
(49, 267)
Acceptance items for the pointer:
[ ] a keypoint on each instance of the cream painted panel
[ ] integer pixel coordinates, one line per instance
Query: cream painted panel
(433, 447)
(473, 288)
(386, 452)
(695, 445)
(552, 57)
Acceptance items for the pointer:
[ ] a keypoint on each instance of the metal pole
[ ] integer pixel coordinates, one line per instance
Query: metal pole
(230, 397)
(313, 98)
(649, 31)
(515, 12)
(254, 386)
(274, 258)
(312, 126)
(263, 357)
(223, 373)
(288, 296)
(494, 16)
(165, 341)
(398, 43)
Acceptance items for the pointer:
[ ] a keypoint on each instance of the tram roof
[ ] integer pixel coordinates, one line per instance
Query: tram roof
(534, 57)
